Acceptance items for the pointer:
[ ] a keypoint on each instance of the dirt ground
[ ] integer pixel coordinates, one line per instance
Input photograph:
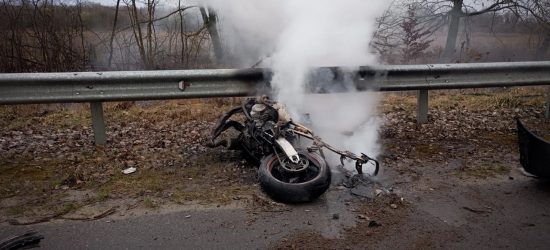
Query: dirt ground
(453, 183)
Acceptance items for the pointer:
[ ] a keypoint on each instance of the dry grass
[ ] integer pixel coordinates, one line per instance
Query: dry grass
(216, 194)
(425, 150)
(71, 116)
(471, 99)
(19, 117)
(180, 111)
(486, 170)
(23, 174)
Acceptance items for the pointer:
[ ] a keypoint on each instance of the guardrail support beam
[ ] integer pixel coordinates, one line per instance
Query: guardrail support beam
(548, 103)
(98, 123)
(422, 107)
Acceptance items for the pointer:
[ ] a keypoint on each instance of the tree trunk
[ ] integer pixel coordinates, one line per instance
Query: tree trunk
(138, 35)
(113, 36)
(456, 14)
(543, 48)
(150, 10)
(210, 21)
(182, 35)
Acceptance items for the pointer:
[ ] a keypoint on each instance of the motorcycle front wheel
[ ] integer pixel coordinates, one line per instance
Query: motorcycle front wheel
(294, 184)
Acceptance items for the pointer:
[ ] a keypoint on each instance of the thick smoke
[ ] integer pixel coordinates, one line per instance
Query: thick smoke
(299, 35)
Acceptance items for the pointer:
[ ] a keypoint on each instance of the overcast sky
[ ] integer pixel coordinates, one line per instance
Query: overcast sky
(105, 2)
(113, 2)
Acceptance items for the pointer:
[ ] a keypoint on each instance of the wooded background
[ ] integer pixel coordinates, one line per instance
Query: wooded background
(75, 35)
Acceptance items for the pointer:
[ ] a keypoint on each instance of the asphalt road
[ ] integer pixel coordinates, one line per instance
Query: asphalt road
(202, 229)
(498, 213)
(217, 229)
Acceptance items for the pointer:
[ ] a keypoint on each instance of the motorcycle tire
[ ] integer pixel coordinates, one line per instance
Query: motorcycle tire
(315, 184)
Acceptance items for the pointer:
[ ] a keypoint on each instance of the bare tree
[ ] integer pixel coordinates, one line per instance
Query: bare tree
(60, 35)
(113, 35)
(416, 38)
(134, 14)
(387, 37)
(539, 12)
(42, 36)
(210, 20)
(443, 12)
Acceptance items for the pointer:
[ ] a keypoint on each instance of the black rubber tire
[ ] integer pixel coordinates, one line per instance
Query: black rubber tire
(294, 192)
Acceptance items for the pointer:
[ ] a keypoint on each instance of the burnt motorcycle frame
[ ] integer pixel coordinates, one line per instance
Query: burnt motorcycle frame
(259, 141)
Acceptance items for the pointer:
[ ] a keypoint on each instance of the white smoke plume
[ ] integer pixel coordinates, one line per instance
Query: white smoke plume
(302, 34)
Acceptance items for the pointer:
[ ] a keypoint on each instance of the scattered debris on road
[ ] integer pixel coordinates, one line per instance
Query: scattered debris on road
(29, 239)
(477, 211)
(373, 223)
(103, 214)
(129, 170)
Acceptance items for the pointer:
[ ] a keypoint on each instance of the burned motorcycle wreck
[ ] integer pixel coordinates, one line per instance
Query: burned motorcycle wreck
(288, 172)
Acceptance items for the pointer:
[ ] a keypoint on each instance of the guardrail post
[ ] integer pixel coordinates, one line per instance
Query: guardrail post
(548, 103)
(422, 109)
(98, 123)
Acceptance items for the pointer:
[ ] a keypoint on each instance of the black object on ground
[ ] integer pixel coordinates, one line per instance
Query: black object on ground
(21, 240)
(373, 223)
(534, 152)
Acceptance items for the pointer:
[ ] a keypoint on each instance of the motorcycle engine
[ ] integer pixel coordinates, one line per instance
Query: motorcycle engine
(269, 121)
(260, 114)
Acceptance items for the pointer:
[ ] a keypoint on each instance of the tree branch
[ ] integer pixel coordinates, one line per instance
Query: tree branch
(488, 10)
(158, 19)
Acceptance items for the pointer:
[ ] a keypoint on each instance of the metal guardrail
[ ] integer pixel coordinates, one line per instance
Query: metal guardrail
(149, 85)
(98, 87)
(126, 85)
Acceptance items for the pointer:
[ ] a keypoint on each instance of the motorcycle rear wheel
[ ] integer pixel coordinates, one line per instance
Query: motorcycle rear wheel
(303, 187)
